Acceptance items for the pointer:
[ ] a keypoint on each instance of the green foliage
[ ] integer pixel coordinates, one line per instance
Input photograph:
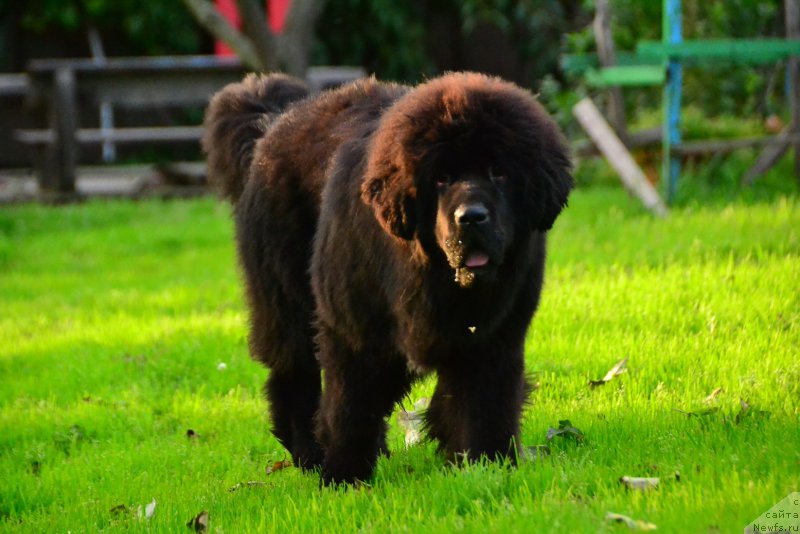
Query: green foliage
(127, 26)
(385, 37)
(716, 88)
(391, 38)
(116, 315)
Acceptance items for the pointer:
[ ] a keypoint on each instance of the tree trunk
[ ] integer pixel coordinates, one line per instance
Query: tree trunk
(606, 53)
(298, 35)
(209, 18)
(256, 45)
(254, 26)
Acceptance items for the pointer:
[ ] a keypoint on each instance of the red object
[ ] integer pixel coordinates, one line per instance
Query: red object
(276, 18)
(228, 10)
(277, 10)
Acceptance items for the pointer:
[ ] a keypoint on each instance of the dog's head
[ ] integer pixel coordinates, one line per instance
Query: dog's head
(467, 163)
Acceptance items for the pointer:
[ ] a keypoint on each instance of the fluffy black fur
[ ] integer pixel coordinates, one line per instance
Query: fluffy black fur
(386, 232)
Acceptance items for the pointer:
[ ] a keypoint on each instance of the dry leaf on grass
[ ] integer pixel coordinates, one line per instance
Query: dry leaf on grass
(747, 411)
(149, 510)
(199, 523)
(699, 413)
(249, 484)
(412, 421)
(119, 510)
(278, 466)
(713, 395)
(633, 524)
(640, 483)
(618, 369)
(565, 430)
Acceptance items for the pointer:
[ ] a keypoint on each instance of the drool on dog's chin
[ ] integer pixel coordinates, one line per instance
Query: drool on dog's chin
(472, 263)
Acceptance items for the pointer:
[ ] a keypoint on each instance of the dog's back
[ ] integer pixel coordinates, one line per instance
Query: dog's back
(269, 145)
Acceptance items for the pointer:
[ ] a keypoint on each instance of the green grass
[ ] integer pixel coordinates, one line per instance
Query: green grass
(115, 316)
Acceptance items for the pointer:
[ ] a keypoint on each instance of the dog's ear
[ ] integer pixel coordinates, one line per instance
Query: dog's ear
(392, 195)
(549, 187)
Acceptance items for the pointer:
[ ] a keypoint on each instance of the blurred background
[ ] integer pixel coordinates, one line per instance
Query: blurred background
(527, 41)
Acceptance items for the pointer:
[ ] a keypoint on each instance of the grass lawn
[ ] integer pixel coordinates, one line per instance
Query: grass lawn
(115, 318)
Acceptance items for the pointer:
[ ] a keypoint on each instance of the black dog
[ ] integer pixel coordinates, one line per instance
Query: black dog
(386, 232)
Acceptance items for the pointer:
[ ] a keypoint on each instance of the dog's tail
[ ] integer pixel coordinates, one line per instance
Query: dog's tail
(236, 118)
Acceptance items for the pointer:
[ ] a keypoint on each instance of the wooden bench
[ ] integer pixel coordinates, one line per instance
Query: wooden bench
(61, 86)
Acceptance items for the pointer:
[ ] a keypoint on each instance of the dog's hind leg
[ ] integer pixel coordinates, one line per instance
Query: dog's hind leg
(274, 262)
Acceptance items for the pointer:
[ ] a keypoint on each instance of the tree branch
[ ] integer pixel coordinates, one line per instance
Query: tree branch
(298, 35)
(255, 27)
(209, 18)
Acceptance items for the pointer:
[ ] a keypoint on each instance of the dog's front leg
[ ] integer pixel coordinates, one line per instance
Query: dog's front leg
(477, 405)
(360, 390)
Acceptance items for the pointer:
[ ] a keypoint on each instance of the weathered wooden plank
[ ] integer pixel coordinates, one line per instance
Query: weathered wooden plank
(709, 146)
(64, 121)
(134, 64)
(607, 54)
(638, 139)
(156, 134)
(768, 158)
(14, 84)
(618, 156)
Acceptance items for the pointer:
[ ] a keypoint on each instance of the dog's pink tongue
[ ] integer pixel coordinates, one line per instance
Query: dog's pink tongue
(477, 259)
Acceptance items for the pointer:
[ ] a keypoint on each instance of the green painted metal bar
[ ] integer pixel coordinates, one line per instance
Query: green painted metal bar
(672, 35)
(752, 51)
(580, 63)
(626, 76)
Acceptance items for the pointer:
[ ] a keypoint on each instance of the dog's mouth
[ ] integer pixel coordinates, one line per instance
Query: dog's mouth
(472, 259)
(471, 266)
(476, 260)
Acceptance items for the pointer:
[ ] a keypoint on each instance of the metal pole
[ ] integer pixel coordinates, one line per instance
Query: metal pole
(672, 34)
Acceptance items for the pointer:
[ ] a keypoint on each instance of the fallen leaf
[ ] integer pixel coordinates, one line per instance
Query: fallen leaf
(713, 395)
(699, 413)
(618, 369)
(565, 429)
(746, 411)
(279, 465)
(119, 509)
(412, 421)
(199, 523)
(149, 510)
(471, 329)
(249, 484)
(633, 524)
(639, 483)
(745, 408)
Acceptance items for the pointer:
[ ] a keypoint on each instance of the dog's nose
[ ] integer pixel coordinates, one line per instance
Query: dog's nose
(471, 214)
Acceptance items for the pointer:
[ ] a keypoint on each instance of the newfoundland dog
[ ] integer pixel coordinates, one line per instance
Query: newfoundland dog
(386, 232)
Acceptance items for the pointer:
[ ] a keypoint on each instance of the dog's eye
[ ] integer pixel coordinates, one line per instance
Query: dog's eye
(442, 181)
(496, 177)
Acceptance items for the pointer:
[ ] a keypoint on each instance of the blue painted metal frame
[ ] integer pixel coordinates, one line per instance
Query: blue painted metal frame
(672, 33)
